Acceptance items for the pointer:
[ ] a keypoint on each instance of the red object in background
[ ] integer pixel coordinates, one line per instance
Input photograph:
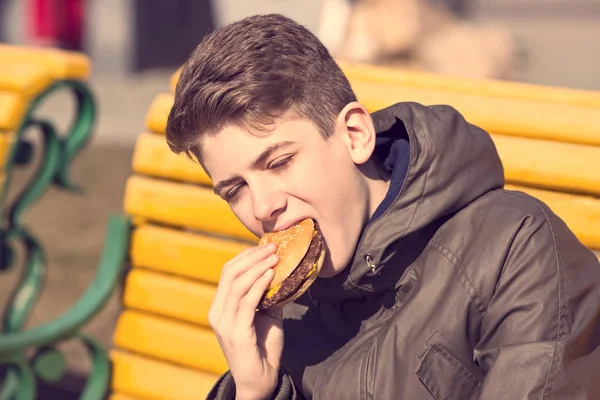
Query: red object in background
(57, 23)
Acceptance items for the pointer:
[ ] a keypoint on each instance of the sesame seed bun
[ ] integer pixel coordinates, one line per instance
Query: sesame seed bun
(301, 254)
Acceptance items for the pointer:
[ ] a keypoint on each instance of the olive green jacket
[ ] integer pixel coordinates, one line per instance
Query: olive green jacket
(470, 291)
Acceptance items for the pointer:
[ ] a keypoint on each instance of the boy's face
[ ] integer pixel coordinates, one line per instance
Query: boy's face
(272, 180)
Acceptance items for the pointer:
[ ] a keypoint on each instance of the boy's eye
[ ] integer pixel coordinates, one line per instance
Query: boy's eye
(281, 163)
(278, 165)
(232, 194)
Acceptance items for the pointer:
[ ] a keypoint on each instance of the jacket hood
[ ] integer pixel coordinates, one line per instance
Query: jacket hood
(451, 163)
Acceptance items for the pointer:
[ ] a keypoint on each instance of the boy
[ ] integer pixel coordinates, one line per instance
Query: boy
(438, 283)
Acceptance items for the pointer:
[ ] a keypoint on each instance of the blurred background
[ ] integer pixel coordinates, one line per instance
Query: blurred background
(135, 45)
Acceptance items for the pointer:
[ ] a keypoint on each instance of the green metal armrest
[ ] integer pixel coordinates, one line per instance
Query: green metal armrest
(21, 379)
(117, 244)
(19, 371)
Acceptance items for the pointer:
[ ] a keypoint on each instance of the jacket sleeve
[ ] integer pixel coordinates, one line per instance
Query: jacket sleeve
(224, 389)
(540, 335)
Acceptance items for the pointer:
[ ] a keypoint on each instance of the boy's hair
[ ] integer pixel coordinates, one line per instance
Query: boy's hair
(250, 73)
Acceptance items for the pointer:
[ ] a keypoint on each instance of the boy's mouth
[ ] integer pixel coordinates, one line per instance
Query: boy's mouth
(282, 226)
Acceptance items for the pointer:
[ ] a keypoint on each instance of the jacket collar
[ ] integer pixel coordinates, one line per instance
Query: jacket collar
(451, 163)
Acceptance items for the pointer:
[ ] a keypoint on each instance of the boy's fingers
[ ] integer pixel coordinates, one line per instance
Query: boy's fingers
(244, 261)
(233, 269)
(247, 309)
(242, 285)
(240, 255)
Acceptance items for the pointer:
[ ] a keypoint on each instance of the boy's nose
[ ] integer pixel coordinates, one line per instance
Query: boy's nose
(268, 206)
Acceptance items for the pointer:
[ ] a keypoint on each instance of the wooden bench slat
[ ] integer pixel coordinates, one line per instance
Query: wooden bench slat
(26, 80)
(558, 122)
(554, 165)
(61, 64)
(564, 167)
(580, 213)
(12, 108)
(153, 157)
(182, 253)
(156, 119)
(170, 340)
(26, 71)
(155, 380)
(182, 205)
(198, 208)
(479, 87)
(169, 296)
(121, 396)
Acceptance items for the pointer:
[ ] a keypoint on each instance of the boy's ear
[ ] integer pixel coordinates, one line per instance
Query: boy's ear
(355, 125)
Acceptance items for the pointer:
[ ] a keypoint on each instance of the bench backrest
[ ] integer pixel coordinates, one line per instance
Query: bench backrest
(548, 139)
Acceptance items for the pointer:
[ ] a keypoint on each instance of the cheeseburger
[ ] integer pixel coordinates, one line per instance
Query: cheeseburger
(301, 253)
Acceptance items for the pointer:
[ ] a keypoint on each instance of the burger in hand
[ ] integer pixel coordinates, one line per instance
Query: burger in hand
(301, 254)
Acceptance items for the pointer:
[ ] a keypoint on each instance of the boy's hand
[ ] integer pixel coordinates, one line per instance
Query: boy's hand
(251, 341)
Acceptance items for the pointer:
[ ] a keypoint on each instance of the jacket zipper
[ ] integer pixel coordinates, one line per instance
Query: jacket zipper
(375, 270)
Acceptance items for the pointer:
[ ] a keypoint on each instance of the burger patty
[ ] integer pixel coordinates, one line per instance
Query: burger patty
(296, 278)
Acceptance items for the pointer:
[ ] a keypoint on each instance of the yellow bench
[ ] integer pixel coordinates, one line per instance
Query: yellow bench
(27, 77)
(548, 139)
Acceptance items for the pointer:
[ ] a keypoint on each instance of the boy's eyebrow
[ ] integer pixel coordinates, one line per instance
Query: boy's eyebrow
(264, 156)
(256, 164)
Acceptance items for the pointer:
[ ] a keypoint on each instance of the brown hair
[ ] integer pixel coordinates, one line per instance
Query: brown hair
(250, 73)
